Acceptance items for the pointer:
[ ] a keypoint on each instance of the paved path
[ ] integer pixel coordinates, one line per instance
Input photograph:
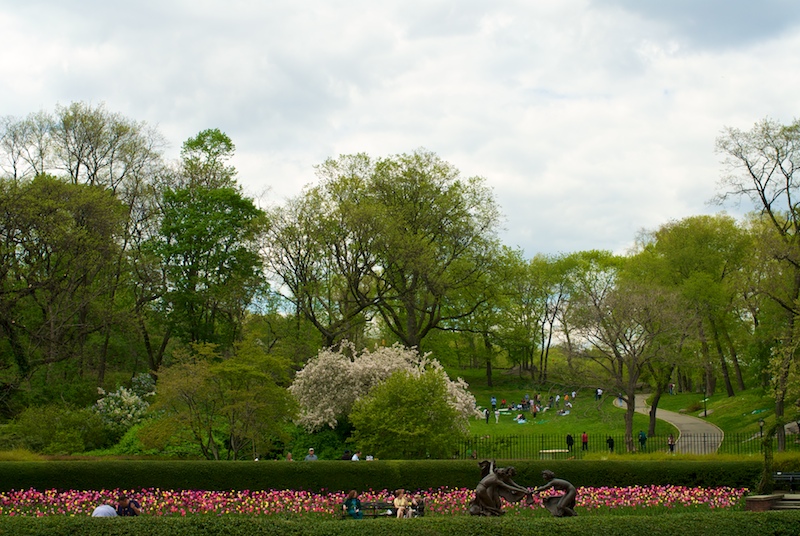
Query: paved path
(696, 436)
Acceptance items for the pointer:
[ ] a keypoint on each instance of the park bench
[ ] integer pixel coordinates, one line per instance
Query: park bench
(376, 509)
(792, 479)
(553, 454)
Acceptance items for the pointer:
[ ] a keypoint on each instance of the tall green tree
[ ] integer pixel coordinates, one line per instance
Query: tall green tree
(702, 258)
(434, 235)
(624, 324)
(88, 144)
(57, 243)
(760, 165)
(209, 243)
(206, 248)
(319, 246)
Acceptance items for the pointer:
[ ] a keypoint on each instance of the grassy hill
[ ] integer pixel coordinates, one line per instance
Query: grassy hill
(598, 419)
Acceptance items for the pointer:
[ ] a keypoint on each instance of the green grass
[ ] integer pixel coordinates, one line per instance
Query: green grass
(19, 455)
(737, 414)
(587, 415)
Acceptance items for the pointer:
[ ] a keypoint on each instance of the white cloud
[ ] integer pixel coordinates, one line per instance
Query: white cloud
(590, 119)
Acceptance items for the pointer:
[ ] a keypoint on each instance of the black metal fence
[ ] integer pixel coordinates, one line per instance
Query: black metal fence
(551, 446)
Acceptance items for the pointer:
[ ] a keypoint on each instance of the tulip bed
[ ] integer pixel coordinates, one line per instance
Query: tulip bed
(638, 500)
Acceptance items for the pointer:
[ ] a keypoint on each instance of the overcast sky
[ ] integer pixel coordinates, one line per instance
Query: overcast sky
(590, 119)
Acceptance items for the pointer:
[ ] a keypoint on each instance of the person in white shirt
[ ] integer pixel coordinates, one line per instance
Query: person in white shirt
(104, 510)
(357, 456)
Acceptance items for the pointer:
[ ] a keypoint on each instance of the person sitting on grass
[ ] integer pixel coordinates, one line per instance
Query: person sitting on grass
(352, 505)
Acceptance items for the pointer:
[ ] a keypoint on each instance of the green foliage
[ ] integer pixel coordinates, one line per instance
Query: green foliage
(706, 523)
(204, 159)
(55, 429)
(328, 443)
(59, 240)
(407, 417)
(381, 474)
(208, 245)
(19, 455)
(238, 404)
(121, 409)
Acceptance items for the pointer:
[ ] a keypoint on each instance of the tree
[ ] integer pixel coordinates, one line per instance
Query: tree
(760, 165)
(400, 236)
(205, 160)
(408, 417)
(624, 326)
(331, 382)
(57, 243)
(202, 266)
(320, 249)
(434, 234)
(239, 403)
(93, 146)
(209, 246)
(702, 257)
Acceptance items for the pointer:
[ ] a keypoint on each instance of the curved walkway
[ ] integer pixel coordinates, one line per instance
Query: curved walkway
(696, 436)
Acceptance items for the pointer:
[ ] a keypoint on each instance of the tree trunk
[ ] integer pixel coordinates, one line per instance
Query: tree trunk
(651, 429)
(630, 409)
(488, 345)
(723, 364)
(709, 371)
(734, 359)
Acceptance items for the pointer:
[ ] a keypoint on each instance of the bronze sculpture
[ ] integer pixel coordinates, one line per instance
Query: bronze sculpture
(494, 484)
(558, 505)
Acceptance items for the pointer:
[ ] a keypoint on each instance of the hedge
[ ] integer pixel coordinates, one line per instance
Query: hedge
(706, 523)
(343, 475)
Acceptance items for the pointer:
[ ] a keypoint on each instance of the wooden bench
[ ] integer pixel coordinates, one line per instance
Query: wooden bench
(792, 479)
(376, 509)
(553, 454)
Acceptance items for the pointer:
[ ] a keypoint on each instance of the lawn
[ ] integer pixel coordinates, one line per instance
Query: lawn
(597, 419)
(737, 414)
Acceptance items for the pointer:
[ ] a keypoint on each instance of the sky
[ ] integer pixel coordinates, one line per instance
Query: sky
(591, 120)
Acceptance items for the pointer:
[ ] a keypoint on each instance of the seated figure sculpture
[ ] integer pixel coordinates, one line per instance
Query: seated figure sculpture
(558, 505)
(494, 485)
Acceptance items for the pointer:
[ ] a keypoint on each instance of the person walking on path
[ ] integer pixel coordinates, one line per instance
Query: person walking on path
(689, 429)
(610, 443)
(570, 442)
(584, 441)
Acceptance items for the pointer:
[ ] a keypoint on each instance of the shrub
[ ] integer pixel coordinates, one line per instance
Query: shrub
(342, 476)
(408, 417)
(330, 383)
(708, 524)
(120, 410)
(55, 429)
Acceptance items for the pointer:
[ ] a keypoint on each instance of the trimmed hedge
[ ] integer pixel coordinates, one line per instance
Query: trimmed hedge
(706, 523)
(343, 475)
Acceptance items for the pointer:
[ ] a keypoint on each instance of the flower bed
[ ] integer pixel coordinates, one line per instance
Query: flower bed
(442, 501)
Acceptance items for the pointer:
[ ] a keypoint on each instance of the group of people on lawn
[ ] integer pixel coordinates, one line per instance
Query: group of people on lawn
(534, 405)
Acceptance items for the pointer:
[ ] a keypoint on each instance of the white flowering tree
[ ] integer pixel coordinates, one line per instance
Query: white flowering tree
(124, 408)
(330, 384)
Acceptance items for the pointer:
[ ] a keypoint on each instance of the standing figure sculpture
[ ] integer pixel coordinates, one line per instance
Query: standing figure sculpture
(559, 505)
(494, 485)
